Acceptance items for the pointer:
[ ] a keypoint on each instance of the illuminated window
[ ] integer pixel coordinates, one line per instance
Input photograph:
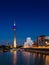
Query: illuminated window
(47, 43)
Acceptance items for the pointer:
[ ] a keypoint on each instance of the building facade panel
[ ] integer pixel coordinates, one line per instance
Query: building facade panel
(43, 41)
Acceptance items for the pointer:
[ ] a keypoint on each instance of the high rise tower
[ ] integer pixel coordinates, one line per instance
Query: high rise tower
(14, 28)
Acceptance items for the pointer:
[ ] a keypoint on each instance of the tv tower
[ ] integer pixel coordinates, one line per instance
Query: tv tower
(14, 28)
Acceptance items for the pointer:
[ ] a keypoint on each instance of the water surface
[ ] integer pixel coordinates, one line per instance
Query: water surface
(23, 58)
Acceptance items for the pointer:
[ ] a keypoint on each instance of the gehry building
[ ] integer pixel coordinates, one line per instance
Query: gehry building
(28, 43)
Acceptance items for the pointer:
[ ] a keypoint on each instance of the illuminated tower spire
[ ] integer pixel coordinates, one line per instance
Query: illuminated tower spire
(14, 35)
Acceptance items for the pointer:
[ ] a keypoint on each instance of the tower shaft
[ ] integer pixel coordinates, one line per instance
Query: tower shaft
(14, 38)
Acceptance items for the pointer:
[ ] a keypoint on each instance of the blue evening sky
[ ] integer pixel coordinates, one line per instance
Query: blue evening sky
(31, 16)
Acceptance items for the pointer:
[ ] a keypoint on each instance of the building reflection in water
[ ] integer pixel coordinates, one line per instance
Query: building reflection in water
(38, 59)
(26, 57)
(35, 58)
(14, 57)
(47, 60)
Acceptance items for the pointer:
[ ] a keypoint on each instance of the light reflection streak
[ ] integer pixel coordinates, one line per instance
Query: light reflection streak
(14, 57)
(42, 58)
(26, 56)
(38, 58)
(34, 55)
(47, 60)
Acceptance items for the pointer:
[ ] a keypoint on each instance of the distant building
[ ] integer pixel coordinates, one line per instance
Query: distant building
(35, 44)
(43, 40)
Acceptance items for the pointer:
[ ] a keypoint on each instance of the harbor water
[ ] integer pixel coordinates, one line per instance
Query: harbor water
(23, 58)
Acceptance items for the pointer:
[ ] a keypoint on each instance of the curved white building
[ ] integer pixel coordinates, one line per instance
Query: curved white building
(28, 43)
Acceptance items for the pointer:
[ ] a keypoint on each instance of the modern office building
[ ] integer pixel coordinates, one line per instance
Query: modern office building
(43, 40)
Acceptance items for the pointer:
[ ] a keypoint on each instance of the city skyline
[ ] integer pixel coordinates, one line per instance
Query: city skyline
(32, 19)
